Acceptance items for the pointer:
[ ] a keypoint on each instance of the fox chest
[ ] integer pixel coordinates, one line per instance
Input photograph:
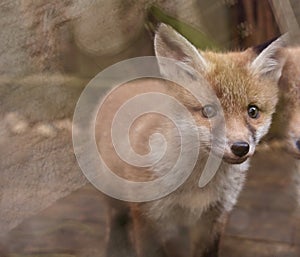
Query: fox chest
(190, 201)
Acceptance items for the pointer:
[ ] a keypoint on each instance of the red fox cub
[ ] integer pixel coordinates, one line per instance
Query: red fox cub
(286, 123)
(189, 221)
(289, 104)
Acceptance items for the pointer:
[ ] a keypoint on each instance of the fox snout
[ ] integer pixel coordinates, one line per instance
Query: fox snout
(238, 152)
(240, 141)
(298, 144)
(240, 149)
(293, 147)
(293, 134)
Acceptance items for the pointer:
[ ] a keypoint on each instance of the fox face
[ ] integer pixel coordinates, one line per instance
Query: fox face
(288, 116)
(245, 84)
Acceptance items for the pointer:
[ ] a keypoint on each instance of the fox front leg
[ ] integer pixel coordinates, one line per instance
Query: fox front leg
(206, 234)
(178, 245)
(146, 241)
(118, 242)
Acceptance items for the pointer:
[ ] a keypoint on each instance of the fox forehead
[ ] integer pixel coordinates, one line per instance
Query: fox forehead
(235, 85)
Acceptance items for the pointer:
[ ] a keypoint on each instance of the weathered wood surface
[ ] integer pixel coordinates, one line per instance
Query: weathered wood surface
(264, 223)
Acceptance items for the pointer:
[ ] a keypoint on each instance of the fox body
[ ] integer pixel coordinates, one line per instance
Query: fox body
(286, 123)
(287, 119)
(246, 85)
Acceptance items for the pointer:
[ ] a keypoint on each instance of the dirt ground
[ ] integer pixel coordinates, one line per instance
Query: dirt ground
(264, 223)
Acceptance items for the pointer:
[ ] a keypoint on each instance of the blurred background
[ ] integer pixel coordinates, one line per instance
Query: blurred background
(49, 50)
(82, 37)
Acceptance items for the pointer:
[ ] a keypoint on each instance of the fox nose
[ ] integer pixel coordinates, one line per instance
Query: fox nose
(240, 149)
(298, 144)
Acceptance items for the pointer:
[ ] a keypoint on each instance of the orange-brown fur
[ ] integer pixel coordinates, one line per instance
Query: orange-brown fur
(191, 218)
(286, 122)
(285, 129)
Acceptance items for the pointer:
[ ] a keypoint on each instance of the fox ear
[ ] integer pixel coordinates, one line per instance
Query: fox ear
(170, 44)
(270, 59)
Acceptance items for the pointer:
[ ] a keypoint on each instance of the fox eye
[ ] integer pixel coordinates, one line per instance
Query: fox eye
(253, 111)
(209, 111)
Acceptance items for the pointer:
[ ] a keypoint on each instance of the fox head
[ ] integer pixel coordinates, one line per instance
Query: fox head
(287, 118)
(244, 82)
